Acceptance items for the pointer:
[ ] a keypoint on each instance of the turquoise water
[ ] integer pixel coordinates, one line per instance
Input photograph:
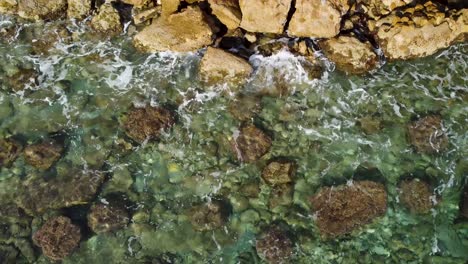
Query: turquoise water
(81, 89)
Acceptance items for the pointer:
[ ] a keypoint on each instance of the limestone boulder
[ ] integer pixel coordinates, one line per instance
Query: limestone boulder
(377, 8)
(318, 19)
(181, 32)
(266, 16)
(420, 31)
(107, 20)
(41, 9)
(350, 55)
(78, 9)
(169, 6)
(137, 3)
(8, 6)
(219, 66)
(227, 11)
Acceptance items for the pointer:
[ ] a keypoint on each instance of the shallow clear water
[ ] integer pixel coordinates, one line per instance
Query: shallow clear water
(85, 86)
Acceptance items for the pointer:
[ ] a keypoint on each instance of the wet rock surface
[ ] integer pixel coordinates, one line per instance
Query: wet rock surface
(41, 9)
(209, 216)
(344, 208)
(274, 246)
(9, 151)
(43, 155)
(427, 135)
(57, 238)
(21, 80)
(464, 204)
(272, 19)
(279, 172)
(107, 20)
(416, 196)
(147, 123)
(104, 218)
(251, 143)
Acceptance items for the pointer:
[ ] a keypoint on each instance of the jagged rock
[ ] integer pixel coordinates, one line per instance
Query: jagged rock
(227, 11)
(274, 246)
(107, 217)
(43, 155)
(416, 196)
(350, 55)
(218, 66)
(146, 15)
(183, 32)
(147, 123)
(9, 151)
(250, 144)
(208, 216)
(58, 237)
(8, 6)
(419, 31)
(39, 195)
(427, 136)
(279, 172)
(341, 209)
(169, 6)
(78, 9)
(41, 9)
(318, 19)
(107, 20)
(138, 3)
(266, 16)
(378, 8)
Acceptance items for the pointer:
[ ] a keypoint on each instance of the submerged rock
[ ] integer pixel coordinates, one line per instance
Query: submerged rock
(8, 254)
(341, 209)
(416, 195)
(419, 31)
(369, 125)
(279, 172)
(43, 155)
(218, 66)
(46, 40)
(267, 16)
(274, 246)
(107, 20)
(41, 9)
(464, 204)
(317, 19)
(107, 218)
(147, 123)
(245, 107)
(21, 80)
(427, 135)
(8, 6)
(251, 143)
(208, 216)
(9, 151)
(57, 238)
(227, 11)
(182, 32)
(281, 195)
(350, 55)
(78, 9)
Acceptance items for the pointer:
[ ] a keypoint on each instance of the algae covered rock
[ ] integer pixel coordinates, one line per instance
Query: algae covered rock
(9, 151)
(427, 135)
(182, 32)
(107, 20)
(415, 195)
(279, 172)
(250, 144)
(41, 9)
(8, 254)
(78, 9)
(274, 246)
(267, 16)
(227, 11)
(350, 55)
(57, 238)
(107, 217)
(147, 123)
(218, 66)
(464, 204)
(19, 81)
(43, 155)
(341, 209)
(245, 107)
(281, 195)
(208, 216)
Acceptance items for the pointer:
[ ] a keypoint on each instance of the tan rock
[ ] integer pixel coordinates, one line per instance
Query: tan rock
(218, 66)
(349, 54)
(8, 6)
(377, 8)
(227, 11)
(169, 6)
(41, 9)
(107, 20)
(266, 16)
(318, 18)
(78, 9)
(182, 32)
(137, 3)
(422, 31)
(146, 15)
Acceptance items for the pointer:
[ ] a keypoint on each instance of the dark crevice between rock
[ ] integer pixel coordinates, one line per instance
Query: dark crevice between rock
(292, 10)
(78, 215)
(212, 20)
(125, 12)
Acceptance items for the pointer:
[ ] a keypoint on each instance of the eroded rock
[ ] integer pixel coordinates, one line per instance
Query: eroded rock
(41, 9)
(104, 218)
(227, 11)
(8, 6)
(350, 55)
(266, 16)
(415, 195)
(182, 32)
(147, 123)
(43, 155)
(58, 237)
(274, 246)
(78, 9)
(341, 209)
(251, 143)
(218, 66)
(279, 172)
(427, 135)
(107, 20)
(208, 216)
(9, 151)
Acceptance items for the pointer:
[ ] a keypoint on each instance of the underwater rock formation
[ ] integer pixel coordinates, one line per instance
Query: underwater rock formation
(41, 9)
(274, 246)
(58, 237)
(208, 216)
(227, 11)
(147, 123)
(427, 135)
(464, 203)
(104, 218)
(415, 195)
(20, 80)
(268, 16)
(281, 195)
(9, 151)
(250, 144)
(341, 209)
(107, 20)
(244, 107)
(279, 172)
(43, 155)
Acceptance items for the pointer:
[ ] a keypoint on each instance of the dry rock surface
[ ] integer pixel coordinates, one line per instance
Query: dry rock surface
(267, 16)
(78, 9)
(227, 11)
